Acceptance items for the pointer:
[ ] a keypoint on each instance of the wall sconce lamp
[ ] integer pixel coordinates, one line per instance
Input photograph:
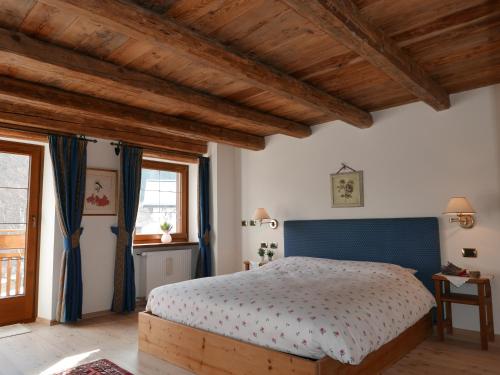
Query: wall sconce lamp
(463, 210)
(263, 217)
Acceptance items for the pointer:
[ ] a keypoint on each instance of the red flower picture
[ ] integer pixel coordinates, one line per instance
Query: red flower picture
(100, 192)
(96, 200)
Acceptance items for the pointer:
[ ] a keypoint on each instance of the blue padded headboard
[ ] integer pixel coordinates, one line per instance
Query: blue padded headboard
(409, 242)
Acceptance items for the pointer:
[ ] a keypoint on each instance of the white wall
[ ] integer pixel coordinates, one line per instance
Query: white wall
(47, 288)
(98, 243)
(225, 207)
(413, 159)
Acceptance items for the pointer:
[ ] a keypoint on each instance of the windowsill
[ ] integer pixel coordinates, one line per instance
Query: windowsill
(159, 244)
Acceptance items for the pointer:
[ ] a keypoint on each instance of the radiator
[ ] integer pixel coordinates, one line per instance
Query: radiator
(167, 267)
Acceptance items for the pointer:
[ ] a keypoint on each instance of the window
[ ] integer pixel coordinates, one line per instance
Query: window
(163, 198)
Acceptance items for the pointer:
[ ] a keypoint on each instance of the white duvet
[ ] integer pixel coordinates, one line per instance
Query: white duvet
(305, 306)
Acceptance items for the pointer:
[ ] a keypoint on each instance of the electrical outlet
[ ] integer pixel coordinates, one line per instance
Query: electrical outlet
(273, 245)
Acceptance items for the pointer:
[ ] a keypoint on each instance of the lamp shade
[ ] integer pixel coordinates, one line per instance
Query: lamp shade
(261, 214)
(459, 205)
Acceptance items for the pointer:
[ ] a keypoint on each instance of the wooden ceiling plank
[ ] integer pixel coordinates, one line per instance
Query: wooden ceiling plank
(142, 24)
(16, 91)
(158, 6)
(42, 120)
(18, 52)
(342, 20)
(46, 21)
(458, 20)
(13, 12)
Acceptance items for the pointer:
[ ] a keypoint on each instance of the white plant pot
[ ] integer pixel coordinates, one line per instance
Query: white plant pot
(166, 237)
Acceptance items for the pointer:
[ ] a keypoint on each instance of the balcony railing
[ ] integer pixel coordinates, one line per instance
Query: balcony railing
(12, 258)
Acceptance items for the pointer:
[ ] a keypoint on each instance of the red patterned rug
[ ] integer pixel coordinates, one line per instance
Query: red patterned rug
(100, 367)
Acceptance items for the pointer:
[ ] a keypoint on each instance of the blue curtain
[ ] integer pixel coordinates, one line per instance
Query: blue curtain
(204, 266)
(130, 187)
(69, 161)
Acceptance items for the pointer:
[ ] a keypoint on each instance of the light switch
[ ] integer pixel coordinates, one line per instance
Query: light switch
(469, 253)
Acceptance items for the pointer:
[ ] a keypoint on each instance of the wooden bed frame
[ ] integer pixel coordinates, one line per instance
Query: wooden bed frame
(408, 242)
(204, 352)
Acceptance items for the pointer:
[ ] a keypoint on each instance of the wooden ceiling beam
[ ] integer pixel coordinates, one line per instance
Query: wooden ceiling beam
(59, 101)
(37, 119)
(145, 25)
(341, 20)
(7, 131)
(33, 60)
(182, 157)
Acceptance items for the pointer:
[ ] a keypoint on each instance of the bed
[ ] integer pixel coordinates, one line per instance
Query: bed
(276, 320)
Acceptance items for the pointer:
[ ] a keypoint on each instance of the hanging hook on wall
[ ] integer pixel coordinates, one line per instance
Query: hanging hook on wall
(118, 146)
(344, 168)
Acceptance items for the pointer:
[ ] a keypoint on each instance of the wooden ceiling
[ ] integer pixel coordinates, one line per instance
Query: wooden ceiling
(174, 75)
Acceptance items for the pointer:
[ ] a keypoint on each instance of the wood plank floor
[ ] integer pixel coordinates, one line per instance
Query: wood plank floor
(47, 350)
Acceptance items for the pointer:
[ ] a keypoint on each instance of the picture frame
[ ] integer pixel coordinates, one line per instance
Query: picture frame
(347, 189)
(101, 193)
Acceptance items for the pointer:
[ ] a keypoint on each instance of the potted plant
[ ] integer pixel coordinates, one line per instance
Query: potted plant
(262, 254)
(270, 254)
(166, 228)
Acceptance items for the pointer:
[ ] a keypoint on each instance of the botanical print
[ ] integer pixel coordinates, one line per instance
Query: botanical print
(100, 192)
(347, 189)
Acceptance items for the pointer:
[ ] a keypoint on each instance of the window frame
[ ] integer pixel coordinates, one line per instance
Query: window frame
(183, 171)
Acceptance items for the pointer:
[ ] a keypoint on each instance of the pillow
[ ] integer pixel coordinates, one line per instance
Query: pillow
(411, 270)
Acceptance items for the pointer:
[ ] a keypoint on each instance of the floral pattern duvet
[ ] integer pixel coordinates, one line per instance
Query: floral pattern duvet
(304, 306)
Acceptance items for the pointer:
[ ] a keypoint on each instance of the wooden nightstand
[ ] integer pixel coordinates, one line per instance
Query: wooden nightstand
(483, 300)
(246, 265)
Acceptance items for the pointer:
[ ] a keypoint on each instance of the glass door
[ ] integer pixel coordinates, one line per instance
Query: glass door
(20, 183)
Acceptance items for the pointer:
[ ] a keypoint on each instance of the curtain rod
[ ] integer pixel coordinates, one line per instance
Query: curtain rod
(120, 144)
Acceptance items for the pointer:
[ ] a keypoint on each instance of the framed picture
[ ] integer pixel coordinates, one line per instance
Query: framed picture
(100, 192)
(347, 189)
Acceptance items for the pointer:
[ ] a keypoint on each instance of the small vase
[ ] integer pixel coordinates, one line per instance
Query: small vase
(270, 259)
(262, 259)
(166, 237)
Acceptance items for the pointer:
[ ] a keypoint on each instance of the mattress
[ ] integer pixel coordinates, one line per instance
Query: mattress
(308, 307)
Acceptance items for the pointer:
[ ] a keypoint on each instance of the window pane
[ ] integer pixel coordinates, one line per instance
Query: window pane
(13, 203)
(15, 170)
(158, 201)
